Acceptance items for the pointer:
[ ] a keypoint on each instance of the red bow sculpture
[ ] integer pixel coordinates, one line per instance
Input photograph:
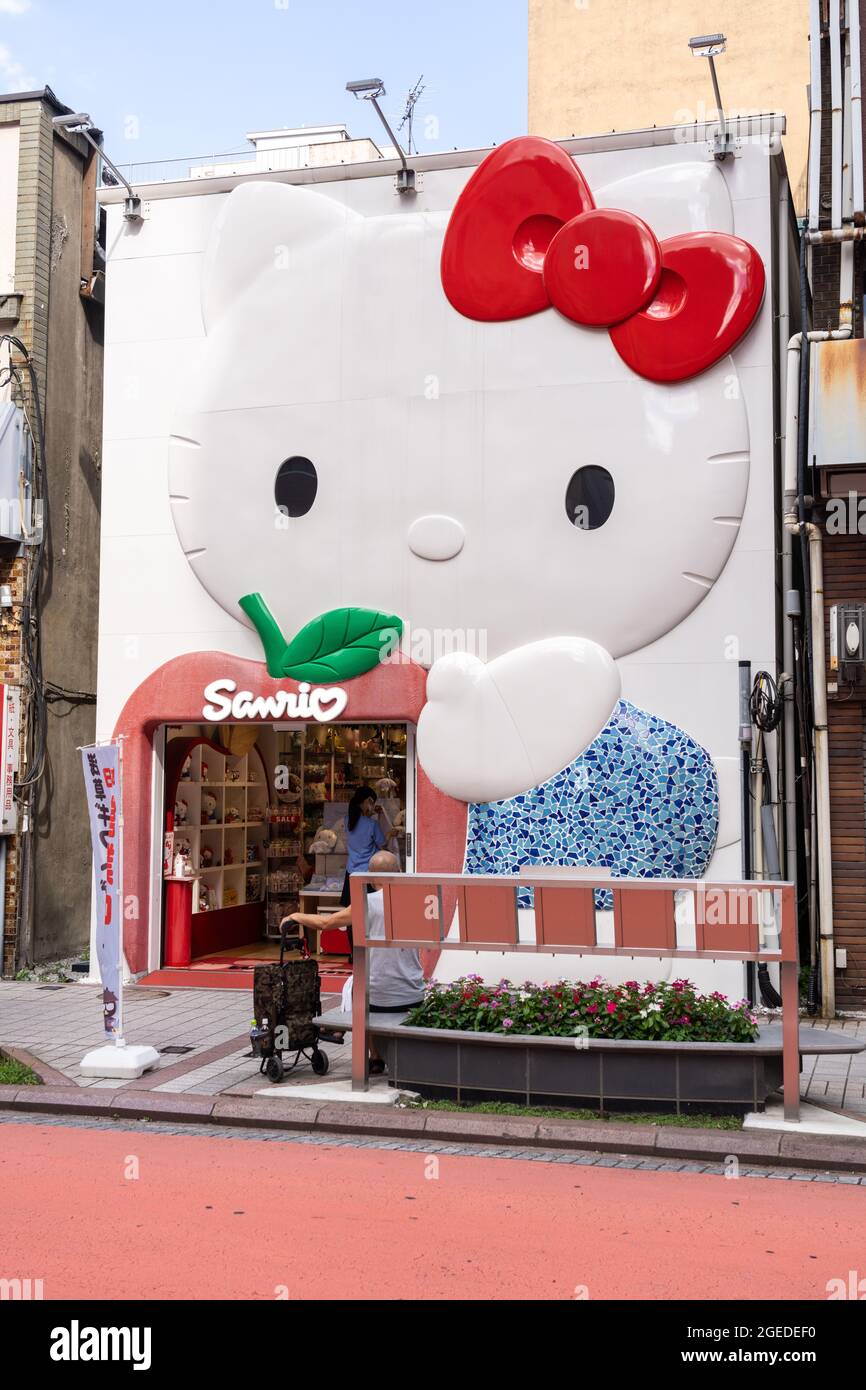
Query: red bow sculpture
(525, 234)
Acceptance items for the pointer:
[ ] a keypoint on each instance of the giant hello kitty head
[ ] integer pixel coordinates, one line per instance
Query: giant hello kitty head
(473, 440)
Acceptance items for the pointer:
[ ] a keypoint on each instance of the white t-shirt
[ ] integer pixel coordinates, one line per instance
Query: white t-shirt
(396, 976)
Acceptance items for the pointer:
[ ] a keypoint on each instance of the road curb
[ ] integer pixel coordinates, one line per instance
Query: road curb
(450, 1127)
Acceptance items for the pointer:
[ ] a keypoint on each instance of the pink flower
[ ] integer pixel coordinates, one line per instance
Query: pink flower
(593, 1009)
(508, 1023)
(611, 1007)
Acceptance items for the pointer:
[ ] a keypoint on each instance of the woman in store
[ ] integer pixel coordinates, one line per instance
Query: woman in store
(368, 829)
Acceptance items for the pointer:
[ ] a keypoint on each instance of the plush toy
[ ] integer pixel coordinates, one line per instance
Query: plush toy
(385, 786)
(228, 857)
(186, 770)
(233, 775)
(324, 843)
(207, 857)
(204, 773)
(181, 811)
(400, 821)
(233, 815)
(204, 898)
(209, 813)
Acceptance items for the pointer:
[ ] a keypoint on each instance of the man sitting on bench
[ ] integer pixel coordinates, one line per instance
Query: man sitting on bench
(396, 979)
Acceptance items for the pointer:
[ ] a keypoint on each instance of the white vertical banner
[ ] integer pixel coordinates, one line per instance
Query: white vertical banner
(10, 702)
(102, 777)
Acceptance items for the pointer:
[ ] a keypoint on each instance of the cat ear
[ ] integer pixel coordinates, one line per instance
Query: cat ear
(674, 198)
(257, 230)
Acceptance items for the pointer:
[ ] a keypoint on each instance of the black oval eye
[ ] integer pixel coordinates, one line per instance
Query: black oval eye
(589, 497)
(296, 486)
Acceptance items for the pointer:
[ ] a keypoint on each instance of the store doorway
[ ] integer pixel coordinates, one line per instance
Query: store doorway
(253, 829)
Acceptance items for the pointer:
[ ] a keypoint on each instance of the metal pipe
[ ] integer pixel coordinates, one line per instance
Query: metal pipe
(788, 394)
(822, 775)
(836, 112)
(846, 249)
(856, 114)
(815, 114)
(723, 131)
(827, 235)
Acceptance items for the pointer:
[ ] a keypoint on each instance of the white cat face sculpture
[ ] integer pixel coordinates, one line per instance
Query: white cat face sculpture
(354, 440)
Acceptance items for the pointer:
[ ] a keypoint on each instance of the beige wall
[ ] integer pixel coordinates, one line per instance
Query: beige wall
(8, 204)
(601, 65)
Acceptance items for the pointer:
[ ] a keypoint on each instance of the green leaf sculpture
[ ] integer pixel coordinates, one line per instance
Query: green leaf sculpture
(336, 646)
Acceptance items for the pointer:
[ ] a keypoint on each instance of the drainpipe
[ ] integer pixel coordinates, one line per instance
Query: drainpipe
(856, 114)
(836, 112)
(795, 522)
(788, 386)
(846, 249)
(822, 776)
(815, 114)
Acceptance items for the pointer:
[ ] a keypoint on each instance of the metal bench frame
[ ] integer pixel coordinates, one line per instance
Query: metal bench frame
(565, 924)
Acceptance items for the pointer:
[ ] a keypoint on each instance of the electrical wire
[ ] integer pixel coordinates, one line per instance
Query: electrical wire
(30, 630)
(765, 703)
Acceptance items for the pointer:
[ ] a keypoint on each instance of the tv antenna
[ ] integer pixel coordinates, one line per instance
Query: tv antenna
(409, 114)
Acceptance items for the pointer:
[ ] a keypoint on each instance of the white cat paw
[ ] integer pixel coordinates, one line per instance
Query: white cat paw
(489, 732)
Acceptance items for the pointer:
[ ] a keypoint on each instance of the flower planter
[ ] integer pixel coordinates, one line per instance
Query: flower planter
(604, 1073)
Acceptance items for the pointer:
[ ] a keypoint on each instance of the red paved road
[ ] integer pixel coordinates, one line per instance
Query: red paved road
(225, 1218)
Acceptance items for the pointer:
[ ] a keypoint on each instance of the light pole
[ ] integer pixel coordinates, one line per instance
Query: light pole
(370, 89)
(710, 46)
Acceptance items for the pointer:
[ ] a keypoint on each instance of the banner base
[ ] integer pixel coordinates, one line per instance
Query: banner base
(123, 1063)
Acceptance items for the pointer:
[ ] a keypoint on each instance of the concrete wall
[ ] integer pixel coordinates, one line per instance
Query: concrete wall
(70, 581)
(602, 65)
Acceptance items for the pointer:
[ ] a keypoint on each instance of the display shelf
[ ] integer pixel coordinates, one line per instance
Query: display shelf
(224, 884)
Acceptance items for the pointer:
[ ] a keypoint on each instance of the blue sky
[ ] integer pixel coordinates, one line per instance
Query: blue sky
(171, 78)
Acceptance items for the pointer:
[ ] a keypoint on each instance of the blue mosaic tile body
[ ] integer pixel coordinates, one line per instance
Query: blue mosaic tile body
(642, 801)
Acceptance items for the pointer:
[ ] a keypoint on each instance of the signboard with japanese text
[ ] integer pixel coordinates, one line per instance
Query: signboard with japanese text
(102, 779)
(10, 704)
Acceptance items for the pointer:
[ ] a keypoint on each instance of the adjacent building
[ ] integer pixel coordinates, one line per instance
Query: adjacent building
(625, 65)
(51, 305)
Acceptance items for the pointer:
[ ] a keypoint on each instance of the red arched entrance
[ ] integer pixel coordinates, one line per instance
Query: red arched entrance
(174, 694)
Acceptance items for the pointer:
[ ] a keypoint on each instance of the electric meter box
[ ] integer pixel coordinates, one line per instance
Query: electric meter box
(847, 637)
(16, 472)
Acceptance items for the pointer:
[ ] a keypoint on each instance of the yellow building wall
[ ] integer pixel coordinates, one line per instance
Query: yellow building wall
(602, 65)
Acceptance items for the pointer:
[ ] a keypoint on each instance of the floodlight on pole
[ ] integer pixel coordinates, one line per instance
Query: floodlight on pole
(371, 89)
(79, 123)
(711, 46)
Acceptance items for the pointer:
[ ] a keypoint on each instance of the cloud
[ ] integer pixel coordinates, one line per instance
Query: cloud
(14, 6)
(13, 75)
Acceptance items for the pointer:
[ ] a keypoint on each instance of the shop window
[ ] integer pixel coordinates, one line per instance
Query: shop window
(589, 497)
(296, 486)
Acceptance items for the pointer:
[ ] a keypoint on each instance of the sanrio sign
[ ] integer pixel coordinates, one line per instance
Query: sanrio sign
(223, 700)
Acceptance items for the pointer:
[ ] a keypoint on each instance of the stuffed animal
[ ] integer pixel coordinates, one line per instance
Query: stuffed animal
(209, 813)
(181, 812)
(207, 857)
(204, 772)
(324, 843)
(385, 786)
(186, 770)
(233, 815)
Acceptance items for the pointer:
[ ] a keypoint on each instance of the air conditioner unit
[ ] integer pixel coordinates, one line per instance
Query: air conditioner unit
(20, 514)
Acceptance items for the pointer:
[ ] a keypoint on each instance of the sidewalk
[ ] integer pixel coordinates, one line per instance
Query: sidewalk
(215, 1080)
